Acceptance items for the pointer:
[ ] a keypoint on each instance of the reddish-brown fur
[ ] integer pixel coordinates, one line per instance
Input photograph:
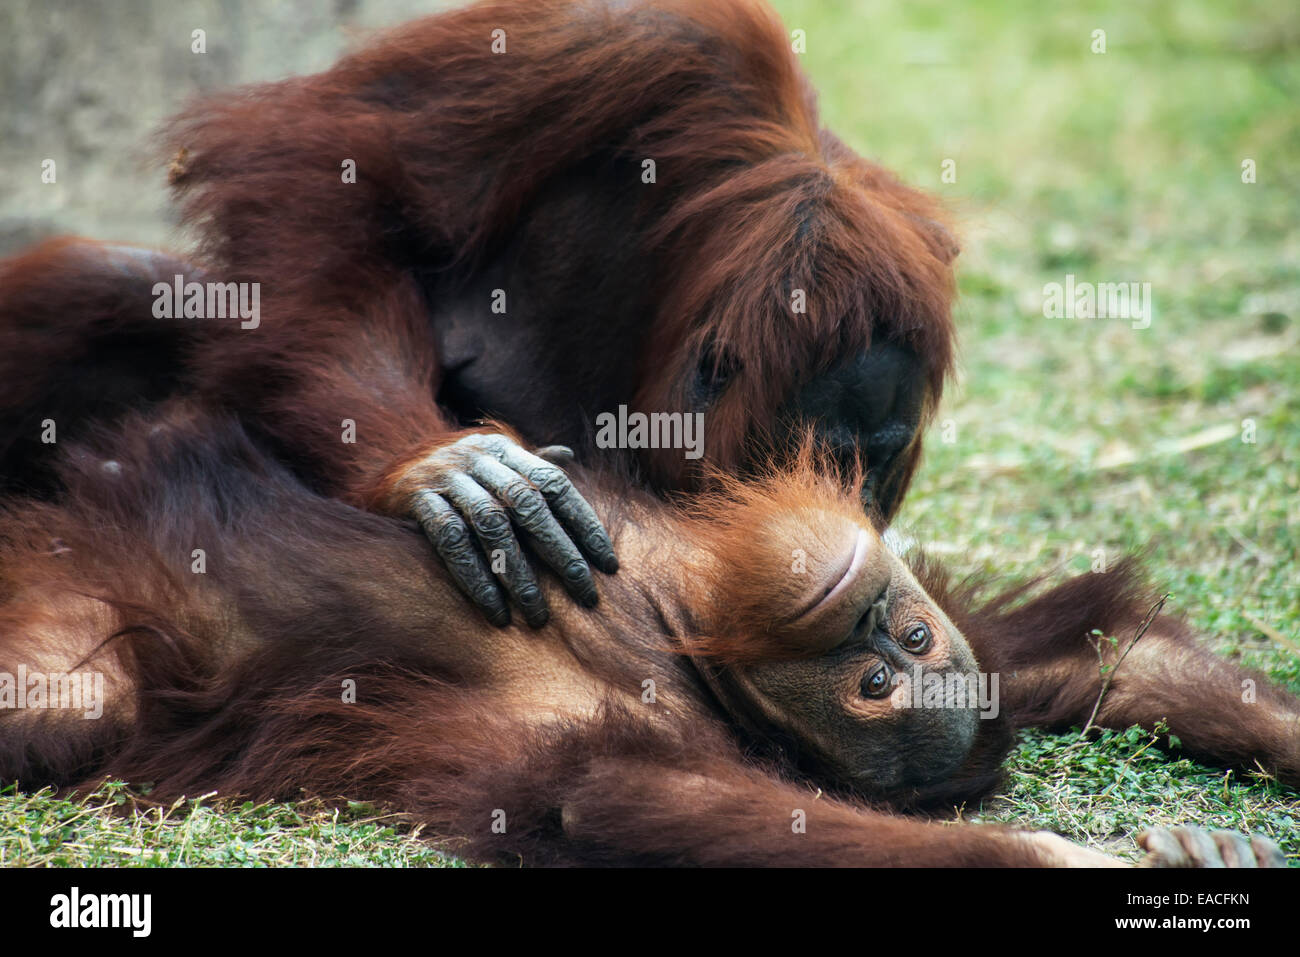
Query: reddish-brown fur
(232, 680)
(452, 144)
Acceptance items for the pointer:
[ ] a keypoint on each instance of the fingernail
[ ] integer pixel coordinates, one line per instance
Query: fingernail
(552, 452)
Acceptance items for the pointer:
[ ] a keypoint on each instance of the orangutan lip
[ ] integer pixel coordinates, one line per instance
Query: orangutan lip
(850, 572)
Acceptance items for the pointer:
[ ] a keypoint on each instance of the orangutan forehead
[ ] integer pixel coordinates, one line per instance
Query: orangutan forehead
(792, 266)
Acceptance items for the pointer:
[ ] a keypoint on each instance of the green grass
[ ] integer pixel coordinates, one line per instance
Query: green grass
(107, 829)
(1073, 435)
(1070, 435)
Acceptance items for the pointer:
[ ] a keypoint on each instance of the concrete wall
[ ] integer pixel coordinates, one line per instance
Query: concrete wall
(86, 83)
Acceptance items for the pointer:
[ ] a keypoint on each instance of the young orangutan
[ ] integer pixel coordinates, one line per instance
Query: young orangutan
(730, 700)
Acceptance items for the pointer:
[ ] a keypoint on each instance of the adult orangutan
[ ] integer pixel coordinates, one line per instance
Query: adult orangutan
(537, 210)
(643, 189)
(722, 706)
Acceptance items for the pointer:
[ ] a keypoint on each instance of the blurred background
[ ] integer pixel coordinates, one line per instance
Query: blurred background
(87, 83)
(1117, 156)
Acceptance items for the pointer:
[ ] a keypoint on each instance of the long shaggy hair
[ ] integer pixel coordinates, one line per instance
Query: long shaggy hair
(451, 142)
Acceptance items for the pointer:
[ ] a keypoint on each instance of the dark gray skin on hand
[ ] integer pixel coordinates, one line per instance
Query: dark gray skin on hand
(866, 409)
(570, 340)
(487, 490)
(567, 346)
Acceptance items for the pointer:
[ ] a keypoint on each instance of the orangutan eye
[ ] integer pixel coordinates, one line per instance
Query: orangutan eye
(714, 373)
(917, 641)
(876, 683)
